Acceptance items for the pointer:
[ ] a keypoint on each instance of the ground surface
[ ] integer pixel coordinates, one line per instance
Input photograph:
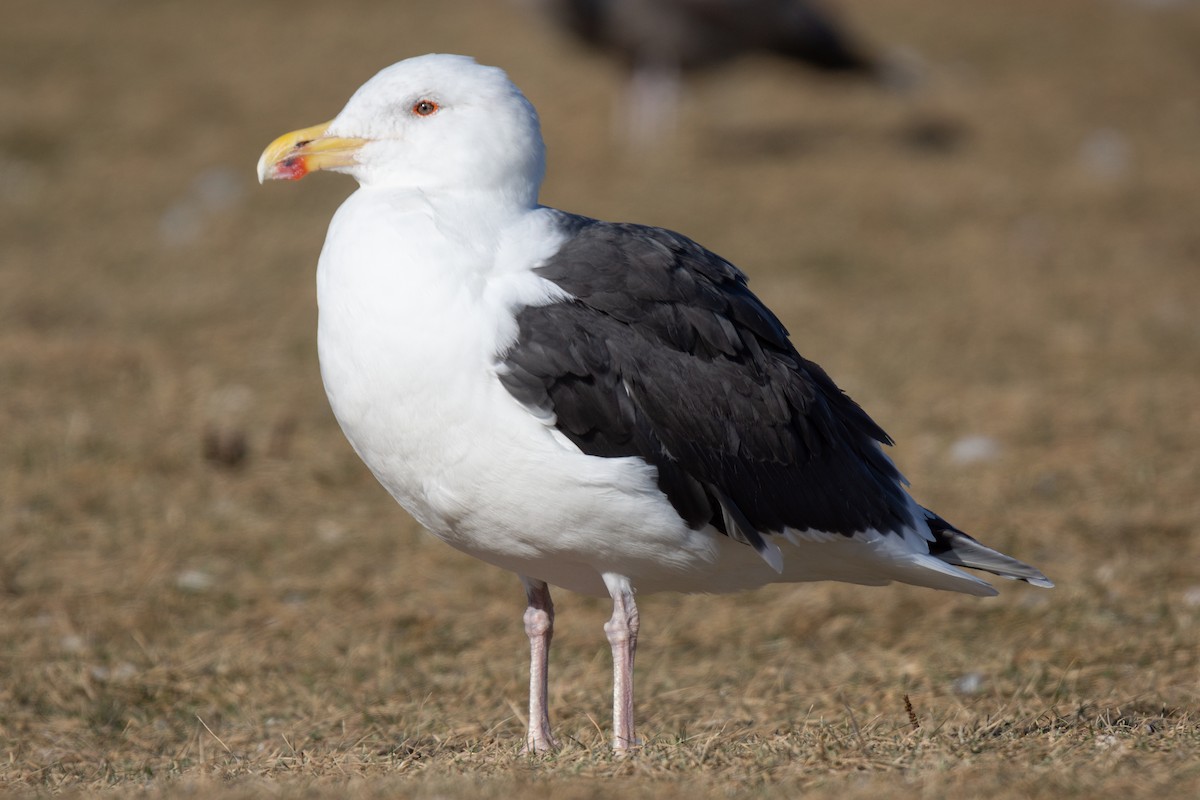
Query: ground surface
(1013, 254)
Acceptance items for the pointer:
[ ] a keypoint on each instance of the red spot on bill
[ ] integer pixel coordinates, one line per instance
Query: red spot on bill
(292, 168)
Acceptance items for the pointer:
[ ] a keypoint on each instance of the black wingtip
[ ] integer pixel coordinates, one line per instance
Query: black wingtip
(955, 547)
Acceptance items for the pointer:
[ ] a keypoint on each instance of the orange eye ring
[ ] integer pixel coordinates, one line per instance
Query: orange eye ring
(424, 108)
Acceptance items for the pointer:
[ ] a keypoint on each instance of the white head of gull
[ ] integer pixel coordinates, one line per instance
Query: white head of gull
(602, 407)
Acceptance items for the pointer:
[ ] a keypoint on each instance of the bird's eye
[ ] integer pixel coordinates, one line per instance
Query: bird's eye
(424, 108)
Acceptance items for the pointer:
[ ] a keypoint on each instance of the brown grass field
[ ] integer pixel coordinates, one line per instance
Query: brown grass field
(1013, 252)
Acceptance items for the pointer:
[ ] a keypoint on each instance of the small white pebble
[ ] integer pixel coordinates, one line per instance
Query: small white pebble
(974, 449)
(330, 531)
(122, 672)
(1191, 597)
(194, 580)
(71, 643)
(969, 683)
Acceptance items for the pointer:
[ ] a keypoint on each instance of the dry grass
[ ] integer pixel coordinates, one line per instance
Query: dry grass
(173, 624)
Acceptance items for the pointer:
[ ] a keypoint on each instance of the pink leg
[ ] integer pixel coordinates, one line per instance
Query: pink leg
(539, 626)
(652, 105)
(622, 630)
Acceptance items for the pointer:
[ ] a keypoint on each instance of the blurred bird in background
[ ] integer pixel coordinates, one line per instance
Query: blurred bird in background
(660, 41)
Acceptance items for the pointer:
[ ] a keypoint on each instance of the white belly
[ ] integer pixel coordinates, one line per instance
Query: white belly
(487, 477)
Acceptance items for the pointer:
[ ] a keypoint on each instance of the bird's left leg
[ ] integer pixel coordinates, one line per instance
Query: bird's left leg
(539, 626)
(622, 630)
(651, 104)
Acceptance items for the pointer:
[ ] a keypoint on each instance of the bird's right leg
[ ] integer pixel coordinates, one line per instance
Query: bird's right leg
(539, 626)
(622, 631)
(651, 105)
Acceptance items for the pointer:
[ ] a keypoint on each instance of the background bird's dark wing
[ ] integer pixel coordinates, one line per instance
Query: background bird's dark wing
(665, 354)
(697, 33)
(805, 30)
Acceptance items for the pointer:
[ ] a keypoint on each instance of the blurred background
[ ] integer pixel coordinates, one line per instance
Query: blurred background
(999, 259)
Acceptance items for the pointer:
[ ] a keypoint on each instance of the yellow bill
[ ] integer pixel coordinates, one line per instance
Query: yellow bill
(295, 154)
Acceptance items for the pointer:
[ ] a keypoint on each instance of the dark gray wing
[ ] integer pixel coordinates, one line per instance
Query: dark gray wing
(665, 354)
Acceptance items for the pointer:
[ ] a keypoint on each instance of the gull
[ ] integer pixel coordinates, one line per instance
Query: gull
(601, 407)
